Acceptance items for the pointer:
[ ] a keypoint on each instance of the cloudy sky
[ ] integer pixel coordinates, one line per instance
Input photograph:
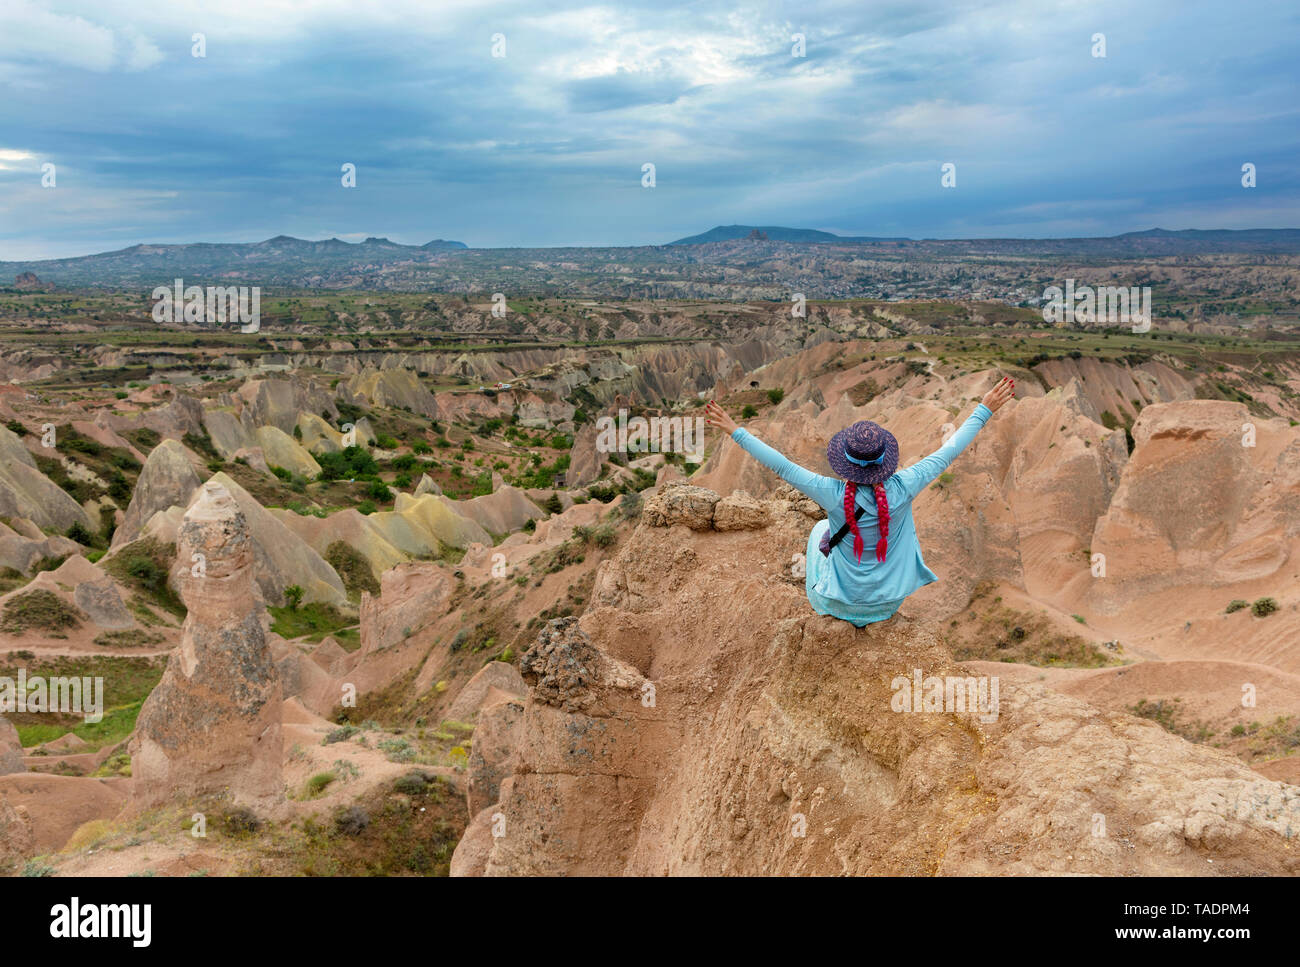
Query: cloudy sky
(545, 146)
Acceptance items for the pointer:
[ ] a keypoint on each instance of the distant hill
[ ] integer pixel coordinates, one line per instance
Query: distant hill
(775, 233)
(1151, 241)
(727, 262)
(283, 260)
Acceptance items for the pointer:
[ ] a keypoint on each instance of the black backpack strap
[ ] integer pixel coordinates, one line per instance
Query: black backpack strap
(844, 529)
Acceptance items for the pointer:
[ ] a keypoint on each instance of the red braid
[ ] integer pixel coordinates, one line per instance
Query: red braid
(850, 505)
(882, 509)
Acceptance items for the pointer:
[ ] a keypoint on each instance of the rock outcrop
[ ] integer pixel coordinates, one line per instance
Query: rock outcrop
(500, 512)
(415, 527)
(281, 558)
(699, 719)
(26, 492)
(411, 595)
(11, 750)
(213, 723)
(493, 682)
(21, 550)
(491, 759)
(167, 480)
(281, 450)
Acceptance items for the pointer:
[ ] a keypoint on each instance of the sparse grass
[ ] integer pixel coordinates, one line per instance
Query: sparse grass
(39, 609)
(352, 568)
(143, 566)
(406, 831)
(341, 734)
(129, 639)
(1257, 741)
(315, 620)
(127, 683)
(89, 835)
(11, 579)
(1169, 715)
(37, 867)
(991, 631)
(114, 765)
(317, 785)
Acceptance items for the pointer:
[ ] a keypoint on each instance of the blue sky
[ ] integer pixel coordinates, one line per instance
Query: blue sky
(545, 146)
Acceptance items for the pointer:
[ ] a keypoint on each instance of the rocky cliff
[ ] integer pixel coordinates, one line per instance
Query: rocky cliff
(697, 719)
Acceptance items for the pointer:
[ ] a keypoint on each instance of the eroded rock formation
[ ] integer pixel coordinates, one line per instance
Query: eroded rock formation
(213, 723)
(698, 719)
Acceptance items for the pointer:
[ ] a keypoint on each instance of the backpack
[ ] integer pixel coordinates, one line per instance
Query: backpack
(828, 542)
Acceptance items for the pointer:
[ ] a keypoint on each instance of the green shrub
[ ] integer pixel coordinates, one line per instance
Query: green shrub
(146, 570)
(351, 821)
(352, 567)
(341, 734)
(1263, 607)
(397, 750)
(1236, 605)
(239, 821)
(351, 463)
(415, 783)
(318, 783)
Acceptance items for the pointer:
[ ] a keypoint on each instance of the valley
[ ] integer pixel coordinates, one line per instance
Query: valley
(403, 512)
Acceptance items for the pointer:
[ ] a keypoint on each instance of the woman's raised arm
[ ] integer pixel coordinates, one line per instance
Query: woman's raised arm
(824, 490)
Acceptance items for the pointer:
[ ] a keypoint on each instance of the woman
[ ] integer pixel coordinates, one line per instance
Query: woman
(873, 503)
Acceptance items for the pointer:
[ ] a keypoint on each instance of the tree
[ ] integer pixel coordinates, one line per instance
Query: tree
(293, 594)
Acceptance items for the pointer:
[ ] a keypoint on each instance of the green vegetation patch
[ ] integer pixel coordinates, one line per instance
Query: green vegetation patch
(143, 566)
(40, 609)
(352, 568)
(991, 631)
(127, 683)
(315, 621)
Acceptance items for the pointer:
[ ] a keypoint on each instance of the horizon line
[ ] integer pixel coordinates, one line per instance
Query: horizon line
(834, 237)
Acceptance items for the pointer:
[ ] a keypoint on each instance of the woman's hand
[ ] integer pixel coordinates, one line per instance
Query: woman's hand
(717, 416)
(999, 394)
